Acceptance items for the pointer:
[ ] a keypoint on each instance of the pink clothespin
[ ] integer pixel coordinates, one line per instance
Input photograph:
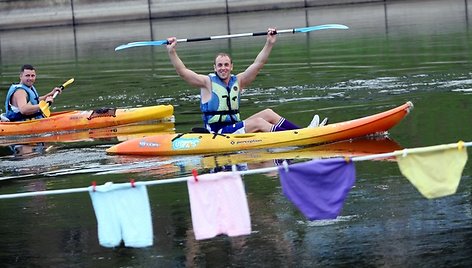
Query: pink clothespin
(94, 185)
(195, 173)
(132, 183)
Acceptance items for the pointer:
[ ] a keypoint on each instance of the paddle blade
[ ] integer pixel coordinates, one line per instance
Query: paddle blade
(44, 106)
(141, 44)
(68, 82)
(321, 27)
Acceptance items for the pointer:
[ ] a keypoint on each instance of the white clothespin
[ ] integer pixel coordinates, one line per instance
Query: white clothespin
(285, 165)
(405, 152)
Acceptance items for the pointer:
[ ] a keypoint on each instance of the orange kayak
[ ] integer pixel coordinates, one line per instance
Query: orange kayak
(116, 133)
(79, 120)
(198, 143)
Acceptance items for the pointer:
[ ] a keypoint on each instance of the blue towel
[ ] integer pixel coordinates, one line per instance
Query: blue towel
(318, 188)
(123, 213)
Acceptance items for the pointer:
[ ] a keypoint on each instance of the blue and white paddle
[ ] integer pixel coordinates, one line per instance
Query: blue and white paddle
(295, 30)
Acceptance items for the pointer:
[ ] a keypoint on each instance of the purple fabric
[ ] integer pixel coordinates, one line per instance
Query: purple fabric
(318, 188)
(276, 128)
(282, 125)
(287, 125)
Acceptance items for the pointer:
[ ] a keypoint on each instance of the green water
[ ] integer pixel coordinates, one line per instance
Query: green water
(337, 74)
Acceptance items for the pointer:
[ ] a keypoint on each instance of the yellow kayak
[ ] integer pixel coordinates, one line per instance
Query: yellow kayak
(198, 143)
(79, 120)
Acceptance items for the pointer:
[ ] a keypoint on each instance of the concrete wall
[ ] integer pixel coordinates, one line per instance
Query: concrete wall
(39, 13)
(20, 14)
(69, 43)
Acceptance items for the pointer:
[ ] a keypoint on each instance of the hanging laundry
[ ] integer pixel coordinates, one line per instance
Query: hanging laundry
(109, 230)
(123, 213)
(318, 188)
(435, 171)
(218, 205)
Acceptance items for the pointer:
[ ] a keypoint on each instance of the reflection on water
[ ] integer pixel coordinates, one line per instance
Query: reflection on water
(56, 161)
(19, 151)
(394, 52)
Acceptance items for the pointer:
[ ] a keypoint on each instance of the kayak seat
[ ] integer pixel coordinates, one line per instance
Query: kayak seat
(102, 112)
(200, 130)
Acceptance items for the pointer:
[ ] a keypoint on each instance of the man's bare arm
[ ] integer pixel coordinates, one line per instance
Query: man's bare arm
(249, 75)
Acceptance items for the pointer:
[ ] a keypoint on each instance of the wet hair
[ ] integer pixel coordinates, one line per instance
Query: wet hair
(221, 54)
(27, 67)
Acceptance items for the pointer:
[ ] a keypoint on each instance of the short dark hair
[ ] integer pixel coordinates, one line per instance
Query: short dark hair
(222, 54)
(27, 67)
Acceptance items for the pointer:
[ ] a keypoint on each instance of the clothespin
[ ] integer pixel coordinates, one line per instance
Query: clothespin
(195, 173)
(94, 185)
(460, 145)
(405, 152)
(132, 183)
(347, 159)
(285, 165)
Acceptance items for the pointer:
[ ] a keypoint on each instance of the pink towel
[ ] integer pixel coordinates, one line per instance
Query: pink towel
(219, 206)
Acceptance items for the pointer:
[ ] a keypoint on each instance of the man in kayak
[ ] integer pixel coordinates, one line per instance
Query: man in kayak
(22, 101)
(220, 93)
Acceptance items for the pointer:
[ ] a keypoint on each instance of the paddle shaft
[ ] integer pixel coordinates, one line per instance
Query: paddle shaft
(216, 37)
(44, 105)
(62, 88)
(55, 93)
(228, 36)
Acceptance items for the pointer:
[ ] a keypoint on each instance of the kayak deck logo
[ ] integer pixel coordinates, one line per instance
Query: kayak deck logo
(185, 143)
(144, 143)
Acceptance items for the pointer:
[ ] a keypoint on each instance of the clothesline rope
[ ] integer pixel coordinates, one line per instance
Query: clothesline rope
(404, 152)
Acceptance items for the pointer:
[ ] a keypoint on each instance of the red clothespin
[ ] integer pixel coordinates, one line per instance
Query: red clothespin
(94, 185)
(195, 173)
(132, 183)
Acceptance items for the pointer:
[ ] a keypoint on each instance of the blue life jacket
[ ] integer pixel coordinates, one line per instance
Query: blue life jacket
(223, 106)
(32, 97)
